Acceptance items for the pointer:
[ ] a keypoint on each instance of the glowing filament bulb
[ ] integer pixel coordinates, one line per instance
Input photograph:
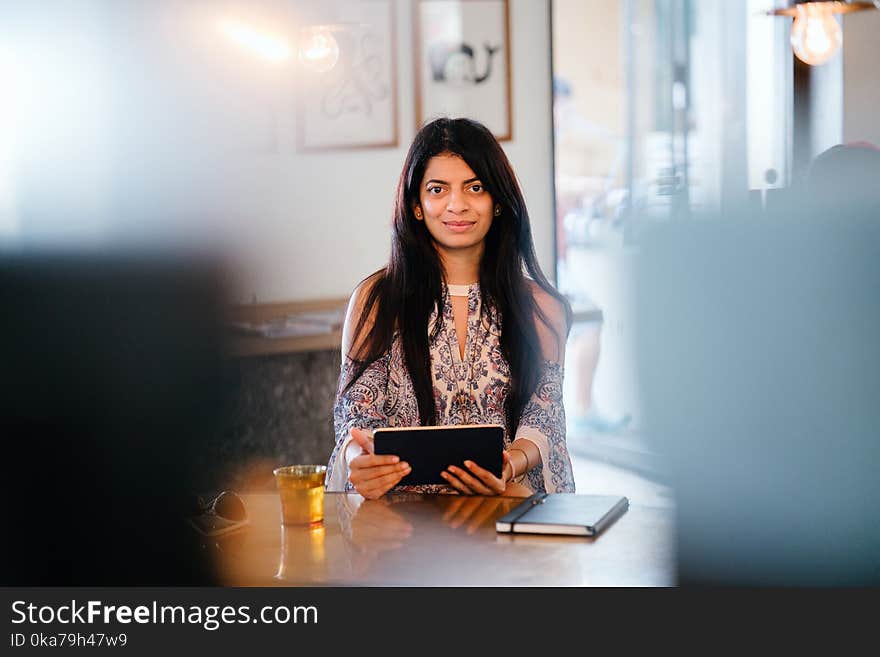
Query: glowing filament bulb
(318, 50)
(815, 33)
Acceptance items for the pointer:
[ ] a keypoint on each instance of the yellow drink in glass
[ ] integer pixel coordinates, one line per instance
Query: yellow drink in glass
(301, 488)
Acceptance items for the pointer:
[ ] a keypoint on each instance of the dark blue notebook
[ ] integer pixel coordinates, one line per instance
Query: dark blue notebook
(563, 513)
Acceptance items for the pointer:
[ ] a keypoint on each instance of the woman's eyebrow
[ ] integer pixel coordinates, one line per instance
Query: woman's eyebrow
(443, 182)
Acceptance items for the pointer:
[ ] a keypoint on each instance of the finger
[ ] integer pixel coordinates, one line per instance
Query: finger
(362, 438)
(380, 516)
(453, 481)
(381, 485)
(471, 482)
(467, 511)
(457, 482)
(396, 525)
(453, 507)
(483, 515)
(366, 463)
(367, 474)
(372, 460)
(492, 482)
(398, 531)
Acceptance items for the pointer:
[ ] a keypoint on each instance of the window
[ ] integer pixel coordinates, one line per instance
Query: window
(663, 110)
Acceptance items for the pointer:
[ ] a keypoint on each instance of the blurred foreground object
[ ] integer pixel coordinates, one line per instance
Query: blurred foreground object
(844, 182)
(110, 388)
(759, 367)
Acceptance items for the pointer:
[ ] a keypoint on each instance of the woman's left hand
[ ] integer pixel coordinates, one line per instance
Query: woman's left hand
(474, 480)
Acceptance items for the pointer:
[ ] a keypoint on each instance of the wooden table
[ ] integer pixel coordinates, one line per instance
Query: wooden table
(440, 540)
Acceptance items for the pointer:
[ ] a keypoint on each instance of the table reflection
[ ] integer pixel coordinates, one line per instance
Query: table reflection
(303, 550)
(373, 528)
(437, 540)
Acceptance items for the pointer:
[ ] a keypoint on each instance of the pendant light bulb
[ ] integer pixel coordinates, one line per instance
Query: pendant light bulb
(815, 33)
(318, 50)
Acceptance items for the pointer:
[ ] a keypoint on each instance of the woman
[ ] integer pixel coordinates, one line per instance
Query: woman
(451, 331)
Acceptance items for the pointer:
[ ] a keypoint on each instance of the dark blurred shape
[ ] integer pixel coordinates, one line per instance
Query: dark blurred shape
(111, 387)
(840, 184)
(759, 367)
(843, 182)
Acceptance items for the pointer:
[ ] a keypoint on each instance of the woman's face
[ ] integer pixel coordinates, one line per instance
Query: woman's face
(456, 208)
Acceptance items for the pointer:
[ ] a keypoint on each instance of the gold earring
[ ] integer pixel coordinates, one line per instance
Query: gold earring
(497, 210)
(418, 214)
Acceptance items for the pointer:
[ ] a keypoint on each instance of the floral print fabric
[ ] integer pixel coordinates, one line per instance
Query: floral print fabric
(468, 390)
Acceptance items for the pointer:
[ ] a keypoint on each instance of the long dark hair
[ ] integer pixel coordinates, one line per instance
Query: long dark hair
(401, 296)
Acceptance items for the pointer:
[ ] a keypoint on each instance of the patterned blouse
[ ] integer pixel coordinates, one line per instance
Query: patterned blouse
(471, 390)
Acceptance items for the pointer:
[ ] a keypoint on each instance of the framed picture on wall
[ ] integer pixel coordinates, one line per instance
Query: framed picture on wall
(346, 94)
(462, 50)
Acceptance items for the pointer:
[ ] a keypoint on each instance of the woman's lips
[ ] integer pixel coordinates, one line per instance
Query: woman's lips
(458, 226)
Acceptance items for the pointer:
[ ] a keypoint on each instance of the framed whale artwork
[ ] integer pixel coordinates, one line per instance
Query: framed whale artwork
(462, 52)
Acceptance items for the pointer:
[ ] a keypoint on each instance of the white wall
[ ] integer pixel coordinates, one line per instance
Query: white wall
(199, 138)
(861, 79)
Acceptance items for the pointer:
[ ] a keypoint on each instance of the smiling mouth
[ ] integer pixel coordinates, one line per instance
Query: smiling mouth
(458, 226)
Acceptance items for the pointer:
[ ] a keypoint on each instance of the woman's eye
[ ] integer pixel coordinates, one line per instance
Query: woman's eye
(434, 190)
(477, 188)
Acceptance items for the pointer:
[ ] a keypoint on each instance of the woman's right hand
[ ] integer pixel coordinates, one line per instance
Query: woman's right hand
(374, 475)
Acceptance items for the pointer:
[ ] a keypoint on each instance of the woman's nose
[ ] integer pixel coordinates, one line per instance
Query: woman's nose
(456, 203)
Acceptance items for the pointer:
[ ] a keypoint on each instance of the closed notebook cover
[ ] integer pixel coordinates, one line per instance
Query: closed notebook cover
(563, 513)
(430, 450)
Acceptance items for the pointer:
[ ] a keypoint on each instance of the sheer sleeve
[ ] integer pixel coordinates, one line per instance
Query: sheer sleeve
(361, 406)
(543, 423)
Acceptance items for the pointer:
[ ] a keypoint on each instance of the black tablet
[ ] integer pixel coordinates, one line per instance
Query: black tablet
(430, 450)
